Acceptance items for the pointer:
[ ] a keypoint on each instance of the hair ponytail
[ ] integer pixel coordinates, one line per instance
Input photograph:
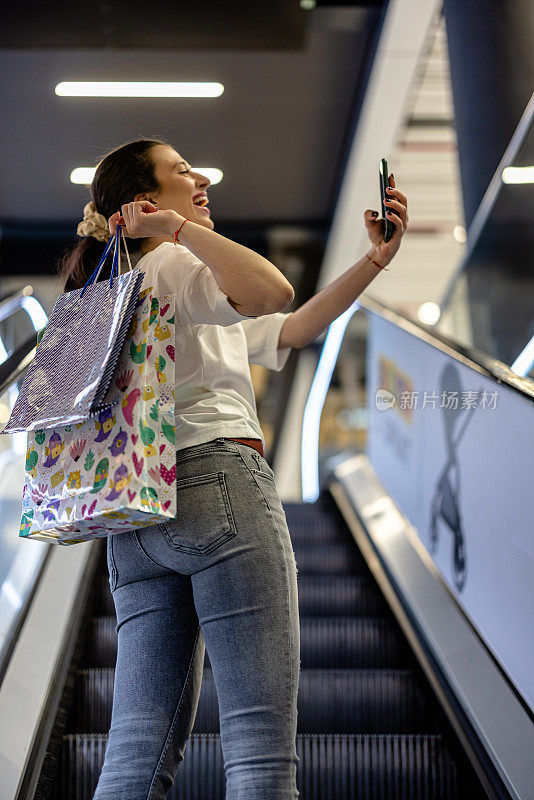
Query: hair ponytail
(120, 175)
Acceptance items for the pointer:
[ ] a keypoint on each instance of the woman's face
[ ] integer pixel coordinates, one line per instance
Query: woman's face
(179, 185)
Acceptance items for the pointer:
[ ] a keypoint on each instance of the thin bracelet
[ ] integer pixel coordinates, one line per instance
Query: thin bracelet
(378, 265)
(176, 241)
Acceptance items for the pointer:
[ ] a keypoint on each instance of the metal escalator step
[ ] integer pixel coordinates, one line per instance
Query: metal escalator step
(335, 558)
(318, 529)
(104, 599)
(333, 700)
(92, 701)
(364, 701)
(340, 595)
(348, 642)
(319, 595)
(334, 642)
(324, 502)
(331, 767)
(296, 512)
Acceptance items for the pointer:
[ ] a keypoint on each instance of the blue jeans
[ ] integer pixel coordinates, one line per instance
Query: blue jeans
(222, 576)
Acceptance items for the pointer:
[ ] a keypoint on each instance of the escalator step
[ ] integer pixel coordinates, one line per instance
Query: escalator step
(340, 595)
(331, 767)
(336, 558)
(319, 529)
(352, 642)
(319, 595)
(297, 512)
(333, 642)
(333, 700)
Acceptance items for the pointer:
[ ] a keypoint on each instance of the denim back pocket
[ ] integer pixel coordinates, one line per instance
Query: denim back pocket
(204, 519)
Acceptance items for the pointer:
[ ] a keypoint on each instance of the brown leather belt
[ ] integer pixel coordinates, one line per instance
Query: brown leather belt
(257, 444)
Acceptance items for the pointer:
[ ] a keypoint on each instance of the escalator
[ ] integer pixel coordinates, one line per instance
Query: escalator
(369, 725)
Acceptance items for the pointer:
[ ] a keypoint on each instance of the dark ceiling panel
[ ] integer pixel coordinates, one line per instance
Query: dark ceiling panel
(185, 25)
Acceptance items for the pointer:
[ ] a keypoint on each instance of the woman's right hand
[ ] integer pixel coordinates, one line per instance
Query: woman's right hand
(141, 219)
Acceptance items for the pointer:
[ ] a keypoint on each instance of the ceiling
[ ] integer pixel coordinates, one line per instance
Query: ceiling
(111, 24)
(280, 132)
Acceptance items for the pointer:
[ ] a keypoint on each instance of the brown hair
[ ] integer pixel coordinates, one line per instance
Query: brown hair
(121, 174)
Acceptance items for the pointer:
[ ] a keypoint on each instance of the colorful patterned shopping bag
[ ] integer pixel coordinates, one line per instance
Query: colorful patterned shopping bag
(115, 471)
(72, 369)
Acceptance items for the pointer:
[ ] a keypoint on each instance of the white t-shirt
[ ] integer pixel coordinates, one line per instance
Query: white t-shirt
(214, 345)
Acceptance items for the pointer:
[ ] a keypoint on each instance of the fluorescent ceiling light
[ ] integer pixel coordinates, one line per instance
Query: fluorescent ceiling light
(518, 175)
(138, 89)
(84, 175)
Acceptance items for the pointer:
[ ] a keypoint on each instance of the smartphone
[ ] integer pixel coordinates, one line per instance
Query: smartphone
(383, 177)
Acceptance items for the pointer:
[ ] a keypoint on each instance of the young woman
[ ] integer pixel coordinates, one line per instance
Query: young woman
(222, 576)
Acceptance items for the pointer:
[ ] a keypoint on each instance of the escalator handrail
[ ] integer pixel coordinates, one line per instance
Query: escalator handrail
(12, 368)
(12, 302)
(467, 354)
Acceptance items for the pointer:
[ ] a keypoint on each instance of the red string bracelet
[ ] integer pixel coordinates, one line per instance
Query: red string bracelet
(178, 231)
(378, 265)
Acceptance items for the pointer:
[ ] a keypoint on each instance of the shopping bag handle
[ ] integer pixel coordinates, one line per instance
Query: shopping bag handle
(115, 267)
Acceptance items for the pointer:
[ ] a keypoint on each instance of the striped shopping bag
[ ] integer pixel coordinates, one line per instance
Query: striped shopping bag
(78, 351)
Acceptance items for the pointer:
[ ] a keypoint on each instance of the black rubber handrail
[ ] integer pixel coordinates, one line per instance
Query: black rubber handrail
(12, 302)
(13, 367)
(477, 359)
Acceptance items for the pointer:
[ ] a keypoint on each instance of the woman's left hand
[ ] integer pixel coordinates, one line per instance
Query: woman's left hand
(398, 207)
